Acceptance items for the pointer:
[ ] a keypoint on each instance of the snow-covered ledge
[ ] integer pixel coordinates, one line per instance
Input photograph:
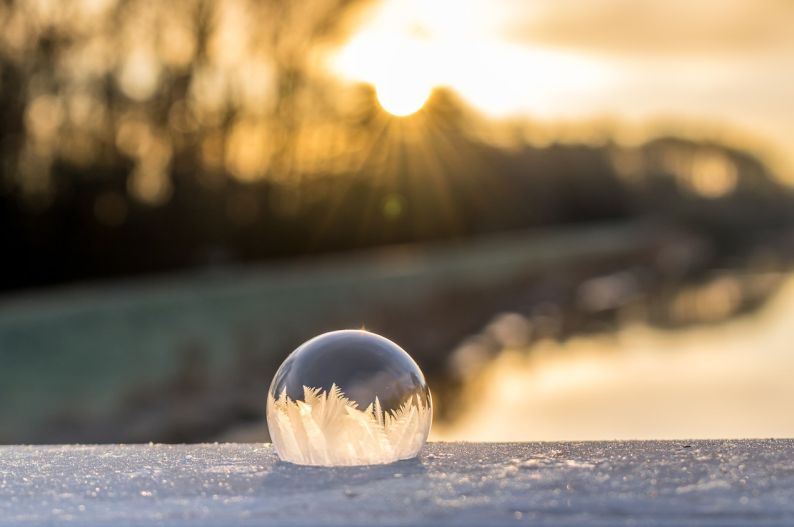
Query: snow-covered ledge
(602, 483)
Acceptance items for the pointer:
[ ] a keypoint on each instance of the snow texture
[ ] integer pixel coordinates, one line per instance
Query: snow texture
(665, 483)
(328, 429)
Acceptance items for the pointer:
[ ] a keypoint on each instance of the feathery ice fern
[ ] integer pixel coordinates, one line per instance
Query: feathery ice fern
(327, 428)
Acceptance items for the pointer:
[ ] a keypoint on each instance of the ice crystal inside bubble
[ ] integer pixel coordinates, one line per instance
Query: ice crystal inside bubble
(348, 398)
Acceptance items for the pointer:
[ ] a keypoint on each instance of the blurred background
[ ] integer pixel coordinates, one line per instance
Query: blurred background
(578, 217)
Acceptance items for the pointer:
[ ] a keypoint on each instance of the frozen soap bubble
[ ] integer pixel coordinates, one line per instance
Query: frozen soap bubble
(348, 398)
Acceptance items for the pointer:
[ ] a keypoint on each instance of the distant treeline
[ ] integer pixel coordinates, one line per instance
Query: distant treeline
(447, 186)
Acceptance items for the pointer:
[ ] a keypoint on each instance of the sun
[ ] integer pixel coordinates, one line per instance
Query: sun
(400, 67)
(403, 97)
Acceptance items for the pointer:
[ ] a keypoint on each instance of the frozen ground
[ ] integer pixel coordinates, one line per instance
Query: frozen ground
(605, 483)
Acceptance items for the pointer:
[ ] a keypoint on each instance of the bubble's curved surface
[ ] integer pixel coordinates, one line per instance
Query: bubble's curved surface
(348, 397)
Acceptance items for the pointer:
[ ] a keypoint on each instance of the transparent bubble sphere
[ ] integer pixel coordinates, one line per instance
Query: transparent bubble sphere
(348, 398)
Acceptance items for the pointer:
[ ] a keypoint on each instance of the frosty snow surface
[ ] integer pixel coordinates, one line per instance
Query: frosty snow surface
(327, 428)
(604, 483)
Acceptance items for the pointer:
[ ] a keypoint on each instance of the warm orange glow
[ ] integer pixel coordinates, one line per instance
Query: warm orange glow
(409, 47)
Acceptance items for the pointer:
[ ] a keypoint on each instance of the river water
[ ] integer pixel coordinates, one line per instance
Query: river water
(722, 380)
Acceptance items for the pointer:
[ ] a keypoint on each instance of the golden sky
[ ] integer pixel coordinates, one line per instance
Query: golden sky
(724, 65)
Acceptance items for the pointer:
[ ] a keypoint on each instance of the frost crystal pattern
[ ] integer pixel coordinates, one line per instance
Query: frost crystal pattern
(348, 398)
(327, 428)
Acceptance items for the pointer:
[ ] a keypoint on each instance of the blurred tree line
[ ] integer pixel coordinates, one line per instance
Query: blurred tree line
(139, 136)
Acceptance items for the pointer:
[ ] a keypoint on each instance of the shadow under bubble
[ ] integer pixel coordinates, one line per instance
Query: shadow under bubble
(286, 477)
